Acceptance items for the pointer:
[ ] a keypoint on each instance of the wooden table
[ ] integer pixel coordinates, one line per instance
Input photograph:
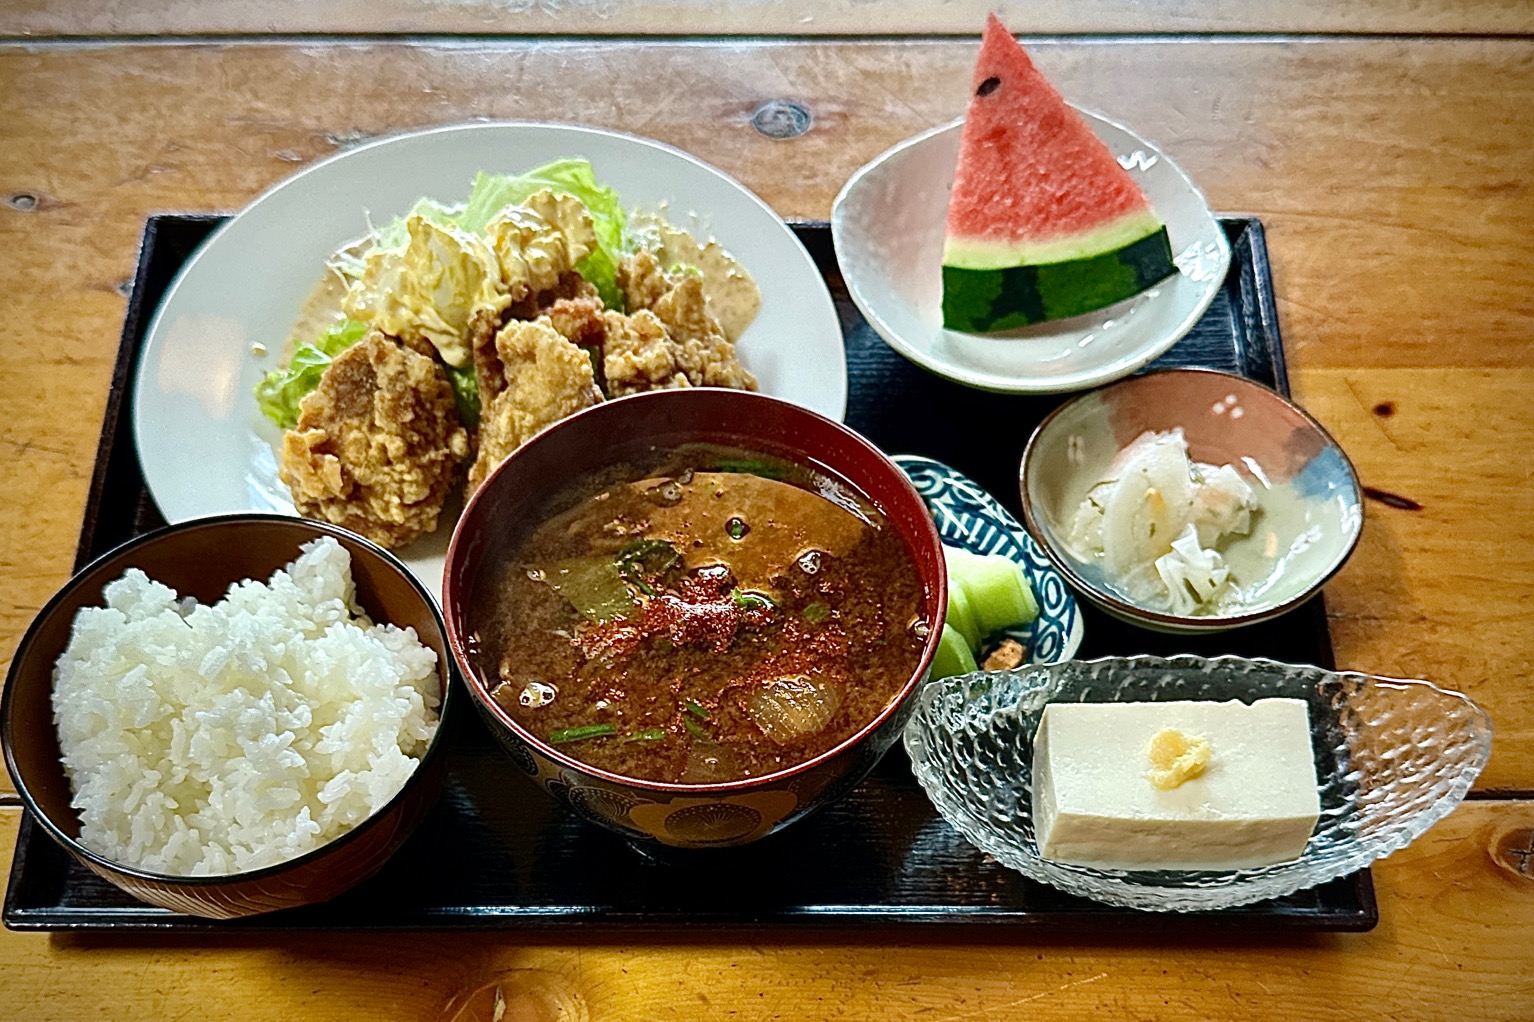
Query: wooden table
(1383, 143)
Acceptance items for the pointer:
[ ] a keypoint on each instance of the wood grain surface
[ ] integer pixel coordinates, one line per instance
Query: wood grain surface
(1390, 173)
(1452, 944)
(733, 17)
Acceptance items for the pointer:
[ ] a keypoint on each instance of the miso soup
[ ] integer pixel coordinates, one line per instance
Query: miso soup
(706, 615)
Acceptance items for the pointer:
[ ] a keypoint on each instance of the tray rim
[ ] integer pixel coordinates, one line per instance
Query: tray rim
(1246, 234)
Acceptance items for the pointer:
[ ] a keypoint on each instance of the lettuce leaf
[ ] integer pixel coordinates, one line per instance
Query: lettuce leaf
(349, 262)
(280, 391)
(465, 394)
(493, 192)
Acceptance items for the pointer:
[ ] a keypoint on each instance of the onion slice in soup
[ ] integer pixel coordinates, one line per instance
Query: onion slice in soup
(788, 709)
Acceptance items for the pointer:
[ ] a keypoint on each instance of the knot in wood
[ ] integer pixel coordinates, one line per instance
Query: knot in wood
(781, 119)
(1514, 852)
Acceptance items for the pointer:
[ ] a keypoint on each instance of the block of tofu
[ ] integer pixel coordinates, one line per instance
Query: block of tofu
(1253, 803)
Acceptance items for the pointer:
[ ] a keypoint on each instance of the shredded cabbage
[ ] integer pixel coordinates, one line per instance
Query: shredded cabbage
(494, 192)
(280, 391)
(1195, 577)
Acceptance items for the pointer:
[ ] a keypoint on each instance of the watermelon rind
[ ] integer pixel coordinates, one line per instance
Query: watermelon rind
(992, 299)
(1000, 253)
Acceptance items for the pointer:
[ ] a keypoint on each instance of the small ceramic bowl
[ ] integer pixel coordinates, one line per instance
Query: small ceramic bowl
(202, 558)
(1311, 508)
(646, 811)
(1392, 758)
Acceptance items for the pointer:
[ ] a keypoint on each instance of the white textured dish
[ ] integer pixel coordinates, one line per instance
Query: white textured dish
(888, 225)
(203, 446)
(1392, 758)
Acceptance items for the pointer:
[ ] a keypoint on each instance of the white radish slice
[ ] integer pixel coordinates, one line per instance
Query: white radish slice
(1149, 503)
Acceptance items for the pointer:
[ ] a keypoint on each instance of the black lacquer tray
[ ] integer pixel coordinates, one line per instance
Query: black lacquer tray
(497, 852)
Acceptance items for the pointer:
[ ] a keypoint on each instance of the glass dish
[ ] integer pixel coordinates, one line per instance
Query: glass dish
(1392, 757)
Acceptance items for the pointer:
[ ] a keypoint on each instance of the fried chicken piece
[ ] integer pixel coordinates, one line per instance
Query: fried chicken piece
(638, 355)
(488, 371)
(701, 349)
(571, 285)
(699, 346)
(579, 321)
(641, 281)
(574, 308)
(378, 443)
(545, 379)
(574, 287)
(420, 345)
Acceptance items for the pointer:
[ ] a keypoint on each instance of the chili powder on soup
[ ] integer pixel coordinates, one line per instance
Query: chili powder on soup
(709, 616)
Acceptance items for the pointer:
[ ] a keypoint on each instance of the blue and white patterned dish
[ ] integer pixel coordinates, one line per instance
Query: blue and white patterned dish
(970, 518)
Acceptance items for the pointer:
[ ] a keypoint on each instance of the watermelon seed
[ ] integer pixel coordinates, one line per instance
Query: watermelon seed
(988, 86)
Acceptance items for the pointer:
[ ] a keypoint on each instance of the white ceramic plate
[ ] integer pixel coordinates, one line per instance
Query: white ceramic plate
(888, 225)
(203, 446)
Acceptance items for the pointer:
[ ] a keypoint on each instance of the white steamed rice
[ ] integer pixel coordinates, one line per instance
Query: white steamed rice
(219, 739)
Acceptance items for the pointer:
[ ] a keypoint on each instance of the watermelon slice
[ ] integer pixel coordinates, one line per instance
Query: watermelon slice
(1043, 223)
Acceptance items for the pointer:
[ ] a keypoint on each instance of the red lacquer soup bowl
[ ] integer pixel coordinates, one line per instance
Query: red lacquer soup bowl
(508, 506)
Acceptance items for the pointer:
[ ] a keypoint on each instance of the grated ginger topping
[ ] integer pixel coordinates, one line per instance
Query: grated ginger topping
(1176, 757)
